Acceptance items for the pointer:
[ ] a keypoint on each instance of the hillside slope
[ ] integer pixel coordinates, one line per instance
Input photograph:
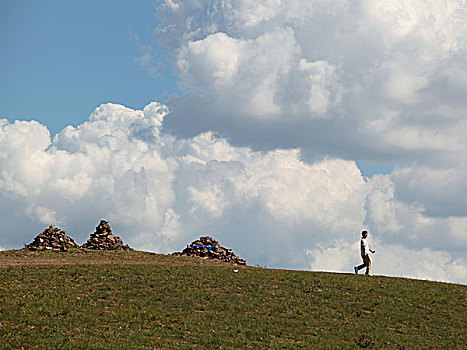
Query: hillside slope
(135, 300)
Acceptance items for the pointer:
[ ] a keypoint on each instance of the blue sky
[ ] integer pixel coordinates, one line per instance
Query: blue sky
(61, 59)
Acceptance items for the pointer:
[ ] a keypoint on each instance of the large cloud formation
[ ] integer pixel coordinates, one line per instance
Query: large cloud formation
(380, 81)
(392, 70)
(376, 81)
(160, 192)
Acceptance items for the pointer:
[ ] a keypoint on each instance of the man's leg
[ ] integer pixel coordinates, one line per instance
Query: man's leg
(359, 267)
(367, 262)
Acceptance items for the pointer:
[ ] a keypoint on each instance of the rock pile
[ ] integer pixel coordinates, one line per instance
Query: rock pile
(207, 247)
(103, 239)
(52, 239)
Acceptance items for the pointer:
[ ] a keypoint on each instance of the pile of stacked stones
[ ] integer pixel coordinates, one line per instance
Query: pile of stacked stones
(52, 239)
(207, 247)
(103, 239)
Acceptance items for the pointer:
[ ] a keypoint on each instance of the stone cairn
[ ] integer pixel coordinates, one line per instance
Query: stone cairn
(103, 239)
(52, 239)
(209, 248)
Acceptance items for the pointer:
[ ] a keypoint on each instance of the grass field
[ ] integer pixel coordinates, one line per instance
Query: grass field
(136, 300)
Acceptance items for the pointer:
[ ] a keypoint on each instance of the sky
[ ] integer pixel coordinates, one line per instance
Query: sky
(280, 128)
(62, 59)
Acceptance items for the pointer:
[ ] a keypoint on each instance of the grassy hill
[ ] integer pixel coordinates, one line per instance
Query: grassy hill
(135, 300)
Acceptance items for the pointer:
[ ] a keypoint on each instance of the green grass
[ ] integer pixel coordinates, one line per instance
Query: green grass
(136, 300)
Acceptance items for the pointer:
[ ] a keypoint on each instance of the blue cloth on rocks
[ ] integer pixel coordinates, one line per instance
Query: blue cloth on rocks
(203, 246)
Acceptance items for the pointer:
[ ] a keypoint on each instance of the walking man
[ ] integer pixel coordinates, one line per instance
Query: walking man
(364, 251)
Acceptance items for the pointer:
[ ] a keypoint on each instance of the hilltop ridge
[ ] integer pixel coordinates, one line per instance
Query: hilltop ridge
(83, 299)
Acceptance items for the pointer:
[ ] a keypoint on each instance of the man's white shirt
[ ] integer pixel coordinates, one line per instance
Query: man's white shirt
(364, 247)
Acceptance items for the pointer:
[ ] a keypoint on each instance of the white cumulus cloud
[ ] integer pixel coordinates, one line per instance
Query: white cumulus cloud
(378, 81)
(160, 192)
(388, 72)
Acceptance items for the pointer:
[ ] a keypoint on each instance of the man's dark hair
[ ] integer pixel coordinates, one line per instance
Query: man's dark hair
(363, 233)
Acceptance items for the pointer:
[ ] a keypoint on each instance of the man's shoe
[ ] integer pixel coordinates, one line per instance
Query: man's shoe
(356, 270)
